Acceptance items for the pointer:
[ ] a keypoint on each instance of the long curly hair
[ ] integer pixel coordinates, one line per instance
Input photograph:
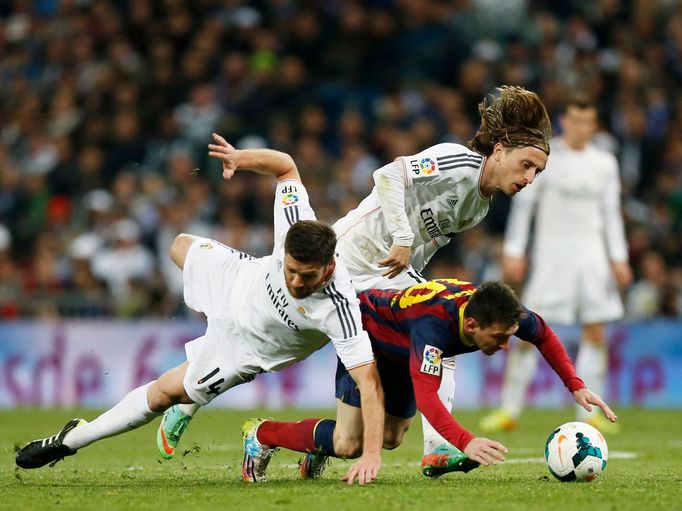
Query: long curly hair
(516, 117)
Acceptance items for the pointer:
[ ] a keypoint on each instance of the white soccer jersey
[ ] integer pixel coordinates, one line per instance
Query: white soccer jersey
(441, 197)
(578, 208)
(578, 230)
(281, 329)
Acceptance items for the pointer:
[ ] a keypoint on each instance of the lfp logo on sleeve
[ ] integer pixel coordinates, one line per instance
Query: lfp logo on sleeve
(431, 362)
(289, 199)
(427, 166)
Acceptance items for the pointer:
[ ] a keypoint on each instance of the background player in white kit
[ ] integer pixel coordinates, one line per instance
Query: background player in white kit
(263, 315)
(579, 258)
(421, 201)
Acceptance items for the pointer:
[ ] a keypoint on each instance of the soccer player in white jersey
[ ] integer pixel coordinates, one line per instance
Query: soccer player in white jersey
(579, 258)
(263, 315)
(421, 201)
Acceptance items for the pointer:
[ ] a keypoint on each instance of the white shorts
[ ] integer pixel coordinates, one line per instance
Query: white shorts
(218, 360)
(581, 291)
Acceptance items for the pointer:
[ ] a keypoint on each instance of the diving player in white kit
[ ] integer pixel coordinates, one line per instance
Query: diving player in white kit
(263, 315)
(421, 201)
(579, 258)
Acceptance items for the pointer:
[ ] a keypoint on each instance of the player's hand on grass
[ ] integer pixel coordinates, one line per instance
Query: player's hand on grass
(226, 153)
(586, 398)
(485, 451)
(365, 470)
(397, 260)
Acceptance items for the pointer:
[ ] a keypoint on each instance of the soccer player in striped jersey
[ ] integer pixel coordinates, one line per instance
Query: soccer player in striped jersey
(421, 201)
(580, 258)
(263, 315)
(411, 332)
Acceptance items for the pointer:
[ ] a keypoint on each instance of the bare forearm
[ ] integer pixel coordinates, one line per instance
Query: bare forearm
(372, 413)
(267, 161)
(373, 419)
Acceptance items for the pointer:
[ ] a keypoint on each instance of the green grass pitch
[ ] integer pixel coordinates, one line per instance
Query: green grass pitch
(644, 471)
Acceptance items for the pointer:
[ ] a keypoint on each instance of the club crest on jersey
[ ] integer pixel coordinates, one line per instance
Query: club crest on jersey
(289, 199)
(302, 310)
(431, 362)
(206, 245)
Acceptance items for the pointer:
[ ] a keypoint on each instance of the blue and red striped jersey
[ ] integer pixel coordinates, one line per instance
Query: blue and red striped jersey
(403, 321)
(419, 326)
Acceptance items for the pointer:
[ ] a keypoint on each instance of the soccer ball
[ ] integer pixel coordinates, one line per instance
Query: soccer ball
(576, 451)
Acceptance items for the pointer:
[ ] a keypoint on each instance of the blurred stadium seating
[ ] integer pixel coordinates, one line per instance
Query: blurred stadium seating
(107, 107)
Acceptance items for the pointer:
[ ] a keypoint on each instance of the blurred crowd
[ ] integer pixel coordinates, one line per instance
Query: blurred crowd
(106, 108)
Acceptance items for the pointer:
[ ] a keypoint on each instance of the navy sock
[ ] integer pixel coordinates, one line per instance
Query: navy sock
(324, 437)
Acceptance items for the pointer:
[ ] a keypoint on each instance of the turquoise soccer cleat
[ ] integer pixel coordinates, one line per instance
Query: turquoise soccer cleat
(173, 424)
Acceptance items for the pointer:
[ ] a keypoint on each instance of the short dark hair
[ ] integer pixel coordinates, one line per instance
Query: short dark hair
(580, 101)
(493, 303)
(515, 118)
(310, 241)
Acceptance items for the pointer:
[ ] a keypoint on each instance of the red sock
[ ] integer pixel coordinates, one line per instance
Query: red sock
(296, 436)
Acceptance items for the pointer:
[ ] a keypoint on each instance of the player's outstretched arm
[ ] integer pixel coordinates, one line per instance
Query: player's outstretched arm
(366, 468)
(264, 161)
(485, 451)
(586, 398)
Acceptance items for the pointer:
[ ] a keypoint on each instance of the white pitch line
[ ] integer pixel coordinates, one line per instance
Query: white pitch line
(615, 455)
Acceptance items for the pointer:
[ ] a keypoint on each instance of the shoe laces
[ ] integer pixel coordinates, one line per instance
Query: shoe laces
(178, 428)
(261, 460)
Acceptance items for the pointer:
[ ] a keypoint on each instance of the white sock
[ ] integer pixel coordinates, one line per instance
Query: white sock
(522, 365)
(130, 413)
(189, 409)
(446, 393)
(591, 367)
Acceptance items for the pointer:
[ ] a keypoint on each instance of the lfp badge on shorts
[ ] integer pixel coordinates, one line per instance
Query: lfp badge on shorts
(289, 199)
(431, 362)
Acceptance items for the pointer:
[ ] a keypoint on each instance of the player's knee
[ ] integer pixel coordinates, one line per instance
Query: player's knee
(393, 437)
(158, 399)
(348, 447)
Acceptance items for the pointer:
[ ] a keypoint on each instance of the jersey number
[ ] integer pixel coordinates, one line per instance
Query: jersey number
(427, 290)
